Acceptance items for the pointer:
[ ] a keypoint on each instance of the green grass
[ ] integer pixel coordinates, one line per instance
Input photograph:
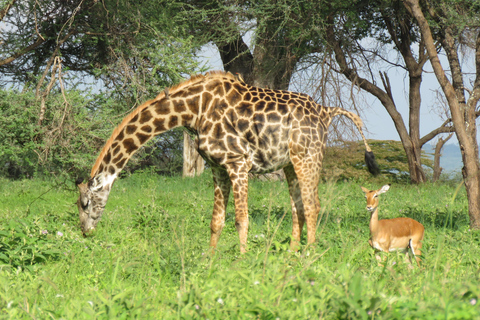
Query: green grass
(150, 258)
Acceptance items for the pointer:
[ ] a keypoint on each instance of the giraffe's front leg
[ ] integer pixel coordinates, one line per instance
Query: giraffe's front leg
(298, 217)
(222, 190)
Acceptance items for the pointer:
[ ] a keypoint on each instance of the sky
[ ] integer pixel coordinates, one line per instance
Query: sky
(377, 122)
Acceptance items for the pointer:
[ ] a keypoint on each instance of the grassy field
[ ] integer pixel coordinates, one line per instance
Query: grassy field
(150, 258)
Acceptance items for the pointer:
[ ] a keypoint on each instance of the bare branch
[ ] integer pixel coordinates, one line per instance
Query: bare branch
(4, 10)
(22, 52)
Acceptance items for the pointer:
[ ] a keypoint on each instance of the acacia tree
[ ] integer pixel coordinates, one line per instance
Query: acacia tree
(282, 33)
(51, 46)
(457, 21)
(390, 26)
(288, 36)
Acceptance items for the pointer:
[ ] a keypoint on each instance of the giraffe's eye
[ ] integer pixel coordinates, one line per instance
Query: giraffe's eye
(84, 203)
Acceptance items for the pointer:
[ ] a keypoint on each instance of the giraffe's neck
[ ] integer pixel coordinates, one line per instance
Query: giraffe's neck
(148, 120)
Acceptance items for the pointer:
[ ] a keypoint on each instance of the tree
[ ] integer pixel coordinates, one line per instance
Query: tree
(437, 170)
(51, 47)
(456, 21)
(288, 36)
(193, 163)
(283, 32)
(358, 36)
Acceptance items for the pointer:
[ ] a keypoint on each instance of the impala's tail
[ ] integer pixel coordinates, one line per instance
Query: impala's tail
(369, 156)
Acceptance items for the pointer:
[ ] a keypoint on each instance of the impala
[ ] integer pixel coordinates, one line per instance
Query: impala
(396, 234)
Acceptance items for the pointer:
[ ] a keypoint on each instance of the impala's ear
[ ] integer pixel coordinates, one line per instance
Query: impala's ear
(365, 190)
(384, 189)
(79, 181)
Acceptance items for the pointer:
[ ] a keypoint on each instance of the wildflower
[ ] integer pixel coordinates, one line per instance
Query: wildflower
(60, 234)
(369, 312)
(197, 307)
(220, 300)
(312, 283)
(44, 232)
(256, 283)
(90, 303)
(473, 301)
(59, 296)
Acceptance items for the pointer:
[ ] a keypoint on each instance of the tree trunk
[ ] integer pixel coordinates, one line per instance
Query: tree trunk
(193, 163)
(437, 170)
(463, 115)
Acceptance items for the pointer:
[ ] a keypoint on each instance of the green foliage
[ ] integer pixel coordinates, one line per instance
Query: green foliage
(23, 244)
(66, 143)
(17, 131)
(73, 132)
(150, 258)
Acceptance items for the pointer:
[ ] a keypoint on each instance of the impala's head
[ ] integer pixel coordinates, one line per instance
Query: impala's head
(91, 202)
(372, 196)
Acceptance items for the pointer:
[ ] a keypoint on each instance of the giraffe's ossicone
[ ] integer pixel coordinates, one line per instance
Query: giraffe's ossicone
(239, 129)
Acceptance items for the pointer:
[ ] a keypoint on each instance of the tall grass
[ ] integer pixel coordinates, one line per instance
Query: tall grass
(150, 258)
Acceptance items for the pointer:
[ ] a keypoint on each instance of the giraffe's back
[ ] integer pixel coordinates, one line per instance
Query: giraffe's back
(263, 126)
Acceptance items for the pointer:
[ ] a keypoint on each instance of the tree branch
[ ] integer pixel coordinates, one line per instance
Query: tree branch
(4, 11)
(22, 52)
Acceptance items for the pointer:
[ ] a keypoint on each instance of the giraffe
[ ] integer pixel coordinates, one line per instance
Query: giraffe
(239, 129)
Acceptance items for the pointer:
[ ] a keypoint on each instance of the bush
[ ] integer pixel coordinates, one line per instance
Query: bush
(66, 142)
(23, 244)
(70, 137)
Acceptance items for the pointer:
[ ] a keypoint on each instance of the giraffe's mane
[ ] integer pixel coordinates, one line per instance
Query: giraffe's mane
(193, 80)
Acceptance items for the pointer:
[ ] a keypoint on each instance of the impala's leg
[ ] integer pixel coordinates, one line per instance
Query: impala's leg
(222, 186)
(415, 246)
(238, 173)
(298, 217)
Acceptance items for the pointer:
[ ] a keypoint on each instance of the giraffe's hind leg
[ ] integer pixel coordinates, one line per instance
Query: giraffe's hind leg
(298, 217)
(308, 171)
(222, 186)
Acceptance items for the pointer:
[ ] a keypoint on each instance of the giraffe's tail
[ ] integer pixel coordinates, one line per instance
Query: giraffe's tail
(369, 156)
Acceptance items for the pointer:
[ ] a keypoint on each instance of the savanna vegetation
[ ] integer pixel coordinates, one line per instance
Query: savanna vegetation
(150, 257)
(71, 70)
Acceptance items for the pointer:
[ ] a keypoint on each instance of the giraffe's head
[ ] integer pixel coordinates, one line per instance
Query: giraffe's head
(91, 203)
